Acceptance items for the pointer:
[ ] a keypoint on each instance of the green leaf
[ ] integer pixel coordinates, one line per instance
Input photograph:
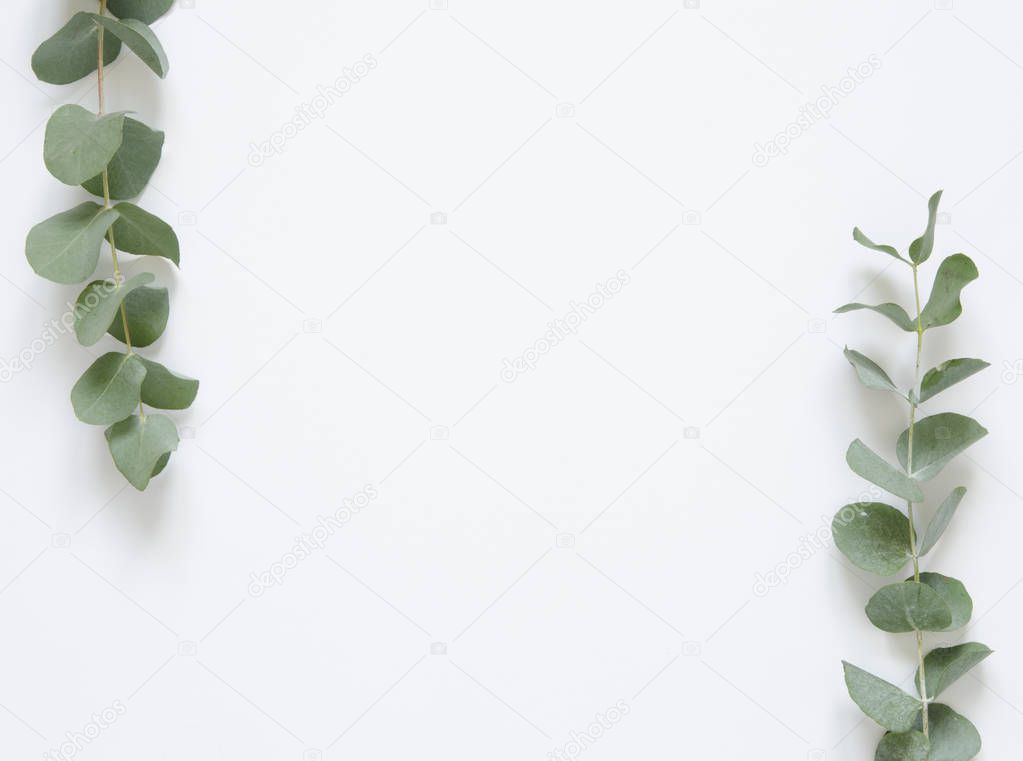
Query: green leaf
(166, 390)
(65, 247)
(937, 379)
(72, 52)
(936, 440)
(142, 233)
(866, 463)
(902, 746)
(869, 372)
(133, 164)
(109, 390)
(955, 596)
(944, 665)
(954, 274)
(140, 38)
(141, 446)
(78, 144)
(874, 536)
(98, 306)
(953, 737)
(146, 11)
(940, 520)
(920, 249)
(863, 240)
(907, 607)
(147, 310)
(880, 700)
(893, 312)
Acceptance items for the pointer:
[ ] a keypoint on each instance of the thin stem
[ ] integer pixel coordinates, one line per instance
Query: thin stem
(913, 397)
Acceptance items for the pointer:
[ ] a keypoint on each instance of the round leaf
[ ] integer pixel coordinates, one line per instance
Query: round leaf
(139, 232)
(65, 247)
(140, 38)
(79, 144)
(146, 11)
(955, 597)
(944, 665)
(99, 304)
(147, 310)
(109, 390)
(133, 164)
(936, 440)
(72, 52)
(141, 445)
(874, 536)
(902, 746)
(166, 390)
(953, 737)
(907, 607)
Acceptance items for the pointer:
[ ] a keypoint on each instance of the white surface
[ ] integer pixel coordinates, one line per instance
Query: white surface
(686, 440)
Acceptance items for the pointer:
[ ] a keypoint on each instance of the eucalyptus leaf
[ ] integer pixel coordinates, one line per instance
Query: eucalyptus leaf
(146, 11)
(936, 440)
(920, 249)
(903, 746)
(908, 606)
(952, 737)
(955, 596)
(882, 701)
(940, 520)
(954, 274)
(139, 232)
(65, 248)
(874, 536)
(78, 144)
(109, 390)
(893, 312)
(132, 165)
(869, 372)
(147, 310)
(140, 38)
(141, 445)
(866, 463)
(99, 304)
(937, 379)
(73, 52)
(166, 390)
(944, 665)
(863, 240)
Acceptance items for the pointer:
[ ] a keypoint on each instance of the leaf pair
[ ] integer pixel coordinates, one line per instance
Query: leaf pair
(115, 384)
(936, 380)
(920, 249)
(936, 603)
(97, 311)
(952, 738)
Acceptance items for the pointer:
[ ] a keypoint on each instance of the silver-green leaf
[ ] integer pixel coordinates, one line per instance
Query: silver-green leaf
(920, 249)
(866, 463)
(944, 665)
(109, 390)
(955, 597)
(940, 520)
(141, 446)
(139, 232)
(72, 53)
(882, 701)
(147, 310)
(65, 248)
(944, 305)
(166, 390)
(869, 372)
(903, 746)
(98, 306)
(893, 312)
(952, 737)
(936, 440)
(937, 379)
(140, 38)
(863, 240)
(908, 606)
(874, 536)
(146, 11)
(132, 165)
(78, 144)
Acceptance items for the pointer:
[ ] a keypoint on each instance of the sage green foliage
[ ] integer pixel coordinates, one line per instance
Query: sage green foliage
(112, 156)
(882, 539)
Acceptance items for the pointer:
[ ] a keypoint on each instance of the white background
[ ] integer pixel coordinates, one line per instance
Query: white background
(689, 438)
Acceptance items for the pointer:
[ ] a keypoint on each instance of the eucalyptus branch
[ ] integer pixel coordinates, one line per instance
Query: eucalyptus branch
(112, 156)
(881, 539)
